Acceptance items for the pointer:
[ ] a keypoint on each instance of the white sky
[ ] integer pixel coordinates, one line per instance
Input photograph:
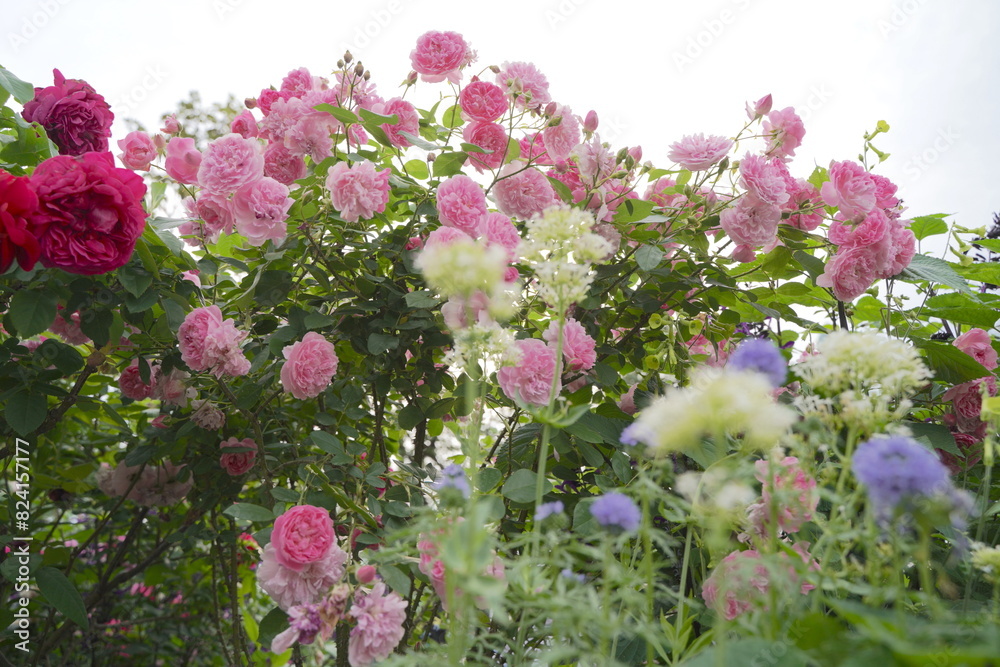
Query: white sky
(653, 71)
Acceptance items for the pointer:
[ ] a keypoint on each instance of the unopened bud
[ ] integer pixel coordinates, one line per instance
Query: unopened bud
(431, 157)
(550, 108)
(636, 153)
(759, 108)
(590, 122)
(367, 75)
(250, 103)
(359, 69)
(341, 64)
(555, 121)
(619, 174)
(365, 574)
(348, 57)
(411, 79)
(620, 156)
(494, 69)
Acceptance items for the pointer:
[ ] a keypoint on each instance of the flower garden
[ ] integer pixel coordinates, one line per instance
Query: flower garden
(336, 379)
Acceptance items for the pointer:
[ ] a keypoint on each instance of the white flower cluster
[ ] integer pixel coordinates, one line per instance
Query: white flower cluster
(491, 344)
(863, 361)
(462, 267)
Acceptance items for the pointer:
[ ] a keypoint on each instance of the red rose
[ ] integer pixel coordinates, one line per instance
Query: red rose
(17, 235)
(74, 115)
(90, 212)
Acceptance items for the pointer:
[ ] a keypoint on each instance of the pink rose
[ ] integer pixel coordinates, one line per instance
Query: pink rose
(456, 311)
(498, 230)
(312, 135)
(444, 236)
(299, 81)
(967, 401)
(170, 124)
(192, 334)
(90, 212)
(309, 367)
(358, 191)
(440, 55)
(903, 246)
(131, 384)
(783, 130)
(853, 270)
(282, 165)
(530, 380)
(759, 108)
(217, 215)
(183, 160)
(302, 535)
(697, 152)
(75, 117)
(409, 121)
(977, 344)
(765, 179)
(524, 84)
(561, 134)
(483, 101)
(170, 388)
(239, 462)
(972, 453)
(245, 125)
(139, 150)
(308, 584)
(803, 196)
(788, 486)
(207, 416)
(626, 403)
(229, 163)
(578, 346)
(260, 209)
(379, 618)
(751, 222)
(523, 193)
(207, 342)
(461, 204)
(488, 136)
(17, 231)
(874, 228)
(850, 188)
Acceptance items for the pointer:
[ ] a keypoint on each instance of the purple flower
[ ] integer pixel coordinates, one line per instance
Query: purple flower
(453, 477)
(545, 510)
(896, 471)
(616, 511)
(762, 356)
(574, 576)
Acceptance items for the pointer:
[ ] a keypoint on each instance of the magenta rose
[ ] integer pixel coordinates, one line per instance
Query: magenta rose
(302, 535)
(17, 232)
(238, 462)
(309, 367)
(139, 151)
(482, 100)
(75, 117)
(439, 56)
(90, 213)
(131, 382)
(358, 191)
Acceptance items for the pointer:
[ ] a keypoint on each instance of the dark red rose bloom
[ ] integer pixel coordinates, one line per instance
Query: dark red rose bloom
(18, 203)
(74, 115)
(89, 214)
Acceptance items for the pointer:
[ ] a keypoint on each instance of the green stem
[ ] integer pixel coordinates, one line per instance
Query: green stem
(679, 623)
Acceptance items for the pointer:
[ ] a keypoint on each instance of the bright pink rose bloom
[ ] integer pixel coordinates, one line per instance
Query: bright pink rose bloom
(718, 353)
(260, 209)
(977, 344)
(791, 489)
(885, 195)
(483, 101)
(379, 621)
(283, 116)
(903, 246)
(524, 84)
(874, 228)
(217, 215)
(139, 150)
(414, 243)
(299, 81)
(183, 160)
(302, 535)
(282, 165)
(309, 367)
(75, 117)
(409, 121)
(444, 236)
(783, 130)
(696, 152)
(498, 229)
(850, 188)
(289, 587)
(238, 463)
(853, 270)
(170, 124)
(358, 191)
(803, 196)
(194, 331)
(967, 402)
(207, 342)
(533, 151)
(229, 163)
(433, 567)
(131, 384)
(523, 193)
(17, 230)
(440, 55)
(530, 381)
(488, 136)
(751, 222)
(90, 212)
(245, 125)
(312, 135)
(578, 346)
(764, 178)
(562, 138)
(461, 204)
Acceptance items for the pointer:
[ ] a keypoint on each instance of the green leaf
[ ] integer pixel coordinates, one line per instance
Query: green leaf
(420, 142)
(449, 164)
(928, 225)
(421, 299)
(488, 479)
(328, 442)
(382, 343)
(32, 311)
(741, 652)
(135, 279)
(25, 412)
(22, 91)
(452, 116)
(934, 271)
(372, 118)
(949, 363)
(561, 189)
(648, 257)
(583, 521)
(982, 317)
(813, 265)
(62, 595)
(249, 512)
(520, 487)
(345, 116)
(274, 623)
(273, 287)
(410, 416)
(633, 210)
(96, 323)
(938, 436)
(417, 169)
(140, 455)
(64, 357)
(394, 577)
(986, 272)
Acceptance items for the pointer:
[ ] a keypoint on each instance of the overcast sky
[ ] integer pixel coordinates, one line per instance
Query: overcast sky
(653, 71)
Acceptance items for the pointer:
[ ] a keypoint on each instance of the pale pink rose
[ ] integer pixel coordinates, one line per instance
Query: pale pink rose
(967, 401)
(139, 150)
(207, 416)
(533, 151)
(903, 246)
(490, 137)
(511, 274)
(530, 380)
(483, 101)
(759, 108)
(358, 191)
(282, 165)
(457, 309)
(524, 84)
(803, 196)
(194, 331)
(560, 139)
(609, 233)
(183, 160)
(207, 342)
(147, 485)
(289, 587)
(170, 124)
(626, 403)
(498, 230)
(885, 195)
(260, 209)
(696, 152)
(222, 349)
(238, 463)
(594, 160)
(742, 581)
(744, 253)
(977, 344)
(578, 346)
(299, 81)
(302, 535)
(432, 566)
(69, 330)
(312, 135)
(440, 55)
(245, 125)
(850, 188)
(783, 130)
(523, 193)
(131, 382)
(874, 228)
(414, 243)
(751, 222)
(229, 163)
(310, 365)
(461, 204)
(409, 121)
(171, 388)
(788, 486)
(718, 353)
(216, 214)
(281, 118)
(444, 236)
(191, 276)
(378, 626)
(765, 179)
(853, 270)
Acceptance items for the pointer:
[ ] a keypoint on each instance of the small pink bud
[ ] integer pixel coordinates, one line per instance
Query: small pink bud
(170, 125)
(160, 142)
(414, 243)
(550, 108)
(590, 122)
(760, 107)
(366, 573)
(636, 153)
(250, 103)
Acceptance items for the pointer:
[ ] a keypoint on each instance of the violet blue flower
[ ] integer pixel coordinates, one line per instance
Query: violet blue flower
(762, 356)
(616, 511)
